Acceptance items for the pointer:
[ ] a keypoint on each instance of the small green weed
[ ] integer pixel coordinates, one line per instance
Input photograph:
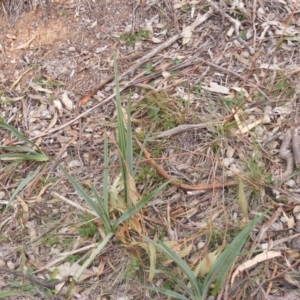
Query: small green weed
(73, 258)
(148, 68)
(242, 35)
(256, 168)
(133, 267)
(48, 83)
(130, 39)
(19, 154)
(19, 288)
(88, 230)
(163, 111)
(234, 102)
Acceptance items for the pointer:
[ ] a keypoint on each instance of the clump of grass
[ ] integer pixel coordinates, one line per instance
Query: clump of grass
(19, 154)
(123, 194)
(196, 289)
(14, 8)
(159, 111)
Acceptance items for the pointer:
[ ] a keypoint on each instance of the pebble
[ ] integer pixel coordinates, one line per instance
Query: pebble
(245, 54)
(2, 195)
(72, 49)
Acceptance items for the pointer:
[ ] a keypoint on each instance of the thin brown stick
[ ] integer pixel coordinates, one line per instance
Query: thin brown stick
(33, 280)
(296, 146)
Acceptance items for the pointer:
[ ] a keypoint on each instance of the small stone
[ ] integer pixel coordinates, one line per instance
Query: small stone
(2, 195)
(201, 245)
(245, 54)
(72, 49)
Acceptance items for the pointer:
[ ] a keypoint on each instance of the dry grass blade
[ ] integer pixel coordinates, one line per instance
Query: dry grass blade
(242, 200)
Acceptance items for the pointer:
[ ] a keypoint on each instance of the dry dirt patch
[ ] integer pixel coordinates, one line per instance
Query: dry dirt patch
(70, 42)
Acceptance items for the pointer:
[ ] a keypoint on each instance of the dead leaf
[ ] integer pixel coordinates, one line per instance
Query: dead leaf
(25, 45)
(135, 224)
(23, 203)
(205, 264)
(58, 106)
(67, 102)
(94, 24)
(133, 193)
(152, 257)
(214, 87)
(248, 127)
(10, 36)
(254, 261)
(67, 269)
(186, 251)
(156, 40)
(290, 220)
(122, 232)
(38, 88)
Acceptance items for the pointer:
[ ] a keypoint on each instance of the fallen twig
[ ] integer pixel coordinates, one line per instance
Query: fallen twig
(182, 128)
(296, 146)
(33, 280)
(286, 154)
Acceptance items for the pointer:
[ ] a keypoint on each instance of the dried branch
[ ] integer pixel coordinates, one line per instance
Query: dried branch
(296, 146)
(33, 280)
(286, 154)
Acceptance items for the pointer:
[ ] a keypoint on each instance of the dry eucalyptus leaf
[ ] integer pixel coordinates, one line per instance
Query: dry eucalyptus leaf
(67, 102)
(38, 88)
(2, 195)
(58, 106)
(68, 269)
(2, 263)
(156, 40)
(149, 28)
(94, 24)
(74, 163)
(296, 212)
(160, 25)
(253, 262)
(10, 36)
(53, 121)
(214, 87)
(186, 34)
(166, 74)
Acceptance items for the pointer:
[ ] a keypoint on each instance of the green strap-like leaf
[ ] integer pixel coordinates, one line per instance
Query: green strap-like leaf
(19, 135)
(23, 183)
(138, 206)
(171, 293)
(181, 264)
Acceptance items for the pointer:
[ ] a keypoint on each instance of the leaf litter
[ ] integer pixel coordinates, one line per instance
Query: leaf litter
(230, 71)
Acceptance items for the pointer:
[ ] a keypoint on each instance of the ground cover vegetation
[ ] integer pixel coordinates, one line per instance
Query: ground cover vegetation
(149, 149)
